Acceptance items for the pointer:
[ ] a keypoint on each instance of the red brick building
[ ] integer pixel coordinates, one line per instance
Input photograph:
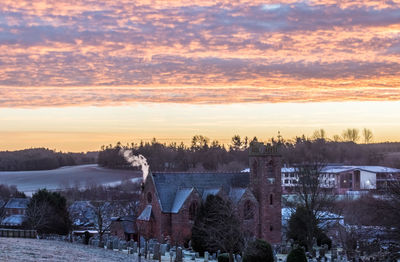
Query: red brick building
(169, 201)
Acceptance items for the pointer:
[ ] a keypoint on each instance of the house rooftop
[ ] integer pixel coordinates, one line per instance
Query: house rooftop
(17, 203)
(14, 220)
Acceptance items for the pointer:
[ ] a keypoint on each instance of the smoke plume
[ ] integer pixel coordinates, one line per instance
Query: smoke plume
(135, 161)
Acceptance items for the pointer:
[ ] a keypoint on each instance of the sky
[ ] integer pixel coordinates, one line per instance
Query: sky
(75, 74)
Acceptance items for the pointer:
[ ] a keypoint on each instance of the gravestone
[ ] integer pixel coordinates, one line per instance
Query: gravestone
(115, 244)
(206, 256)
(179, 255)
(163, 249)
(334, 253)
(193, 257)
(238, 258)
(156, 251)
(96, 243)
(122, 245)
(130, 243)
(322, 252)
(313, 252)
(135, 247)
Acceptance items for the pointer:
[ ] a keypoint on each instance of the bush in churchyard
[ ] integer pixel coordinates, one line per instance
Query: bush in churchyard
(258, 251)
(296, 255)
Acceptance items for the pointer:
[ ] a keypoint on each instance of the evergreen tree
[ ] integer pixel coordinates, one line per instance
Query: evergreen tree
(217, 227)
(47, 213)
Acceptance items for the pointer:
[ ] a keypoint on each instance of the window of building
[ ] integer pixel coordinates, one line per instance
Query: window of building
(271, 228)
(271, 199)
(192, 210)
(149, 197)
(248, 210)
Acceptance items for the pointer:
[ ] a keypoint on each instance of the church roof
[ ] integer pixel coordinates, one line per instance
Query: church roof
(174, 188)
(236, 194)
(146, 213)
(180, 198)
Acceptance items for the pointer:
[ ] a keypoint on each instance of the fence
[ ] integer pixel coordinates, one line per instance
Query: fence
(17, 233)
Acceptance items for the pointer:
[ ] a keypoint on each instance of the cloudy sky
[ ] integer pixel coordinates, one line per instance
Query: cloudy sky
(77, 74)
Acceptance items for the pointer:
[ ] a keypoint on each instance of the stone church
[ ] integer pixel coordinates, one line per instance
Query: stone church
(169, 201)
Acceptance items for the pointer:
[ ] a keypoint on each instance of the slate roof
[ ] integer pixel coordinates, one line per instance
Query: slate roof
(180, 197)
(236, 194)
(211, 191)
(146, 213)
(17, 203)
(174, 188)
(14, 220)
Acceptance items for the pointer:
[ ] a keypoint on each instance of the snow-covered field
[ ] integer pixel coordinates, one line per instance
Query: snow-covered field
(20, 249)
(65, 177)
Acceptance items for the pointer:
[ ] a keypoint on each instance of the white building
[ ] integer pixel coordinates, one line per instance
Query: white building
(346, 178)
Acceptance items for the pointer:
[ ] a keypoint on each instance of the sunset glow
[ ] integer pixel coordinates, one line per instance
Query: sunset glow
(75, 75)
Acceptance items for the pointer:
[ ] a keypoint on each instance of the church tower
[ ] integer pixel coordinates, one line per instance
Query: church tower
(266, 185)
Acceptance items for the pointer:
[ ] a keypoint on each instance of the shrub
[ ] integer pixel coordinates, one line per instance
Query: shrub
(224, 257)
(323, 239)
(258, 251)
(296, 255)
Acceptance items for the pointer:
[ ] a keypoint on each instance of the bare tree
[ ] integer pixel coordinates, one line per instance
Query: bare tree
(351, 135)
(104, 211)
(38, 214)
(315, 197)
(368, 136)
(319, 134)
(337, 138)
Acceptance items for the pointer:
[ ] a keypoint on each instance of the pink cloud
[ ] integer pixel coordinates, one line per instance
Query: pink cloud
(265, 51)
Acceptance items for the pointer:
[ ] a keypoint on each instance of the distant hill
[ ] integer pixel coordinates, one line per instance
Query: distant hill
(42, 159)
(66, 177)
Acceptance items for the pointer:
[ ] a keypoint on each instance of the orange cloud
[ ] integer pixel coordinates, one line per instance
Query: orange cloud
(64, 53)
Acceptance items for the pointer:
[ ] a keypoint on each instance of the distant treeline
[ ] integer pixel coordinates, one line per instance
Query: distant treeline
(203, 155)
(42, 159)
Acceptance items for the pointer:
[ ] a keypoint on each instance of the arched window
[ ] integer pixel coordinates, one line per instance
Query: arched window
(271, 228)
(149, 197)
(271, 199)
(248, 210)
(193, 210)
